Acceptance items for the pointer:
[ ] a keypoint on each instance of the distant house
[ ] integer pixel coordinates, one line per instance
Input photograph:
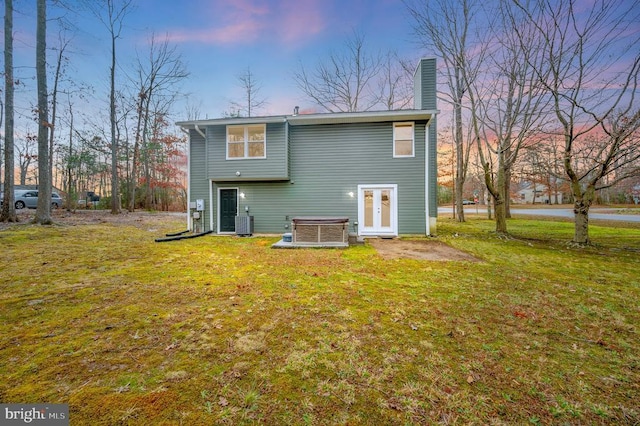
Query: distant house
(536, 193)
(377, 168)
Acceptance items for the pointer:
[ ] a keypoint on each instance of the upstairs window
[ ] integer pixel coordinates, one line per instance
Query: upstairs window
(403, 145)
(246, 142)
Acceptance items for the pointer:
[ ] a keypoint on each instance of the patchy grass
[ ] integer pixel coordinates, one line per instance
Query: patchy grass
(221, 330)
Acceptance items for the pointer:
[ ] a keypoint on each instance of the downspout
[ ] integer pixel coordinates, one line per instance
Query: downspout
(426, 177)
(286, 141)
(206, 171)
(200, 132)
(186, 132)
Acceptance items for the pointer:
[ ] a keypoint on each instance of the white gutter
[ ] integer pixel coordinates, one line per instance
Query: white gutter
(317, 118)
(361, 117)
(189, 221)
(200, 132)
(232, 121)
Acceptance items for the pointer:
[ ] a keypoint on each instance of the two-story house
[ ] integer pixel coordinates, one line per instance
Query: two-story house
(377, 168)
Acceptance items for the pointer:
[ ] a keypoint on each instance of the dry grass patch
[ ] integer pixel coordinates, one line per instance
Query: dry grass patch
(421, 249)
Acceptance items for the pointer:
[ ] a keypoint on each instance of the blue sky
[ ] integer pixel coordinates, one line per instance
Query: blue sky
(218, 39)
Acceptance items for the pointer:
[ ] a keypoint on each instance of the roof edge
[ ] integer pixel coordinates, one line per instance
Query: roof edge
(319, 118)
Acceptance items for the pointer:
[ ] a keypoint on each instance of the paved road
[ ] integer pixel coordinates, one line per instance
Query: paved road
(594, 213)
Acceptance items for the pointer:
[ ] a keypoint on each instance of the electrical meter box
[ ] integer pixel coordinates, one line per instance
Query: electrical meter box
(200, 205)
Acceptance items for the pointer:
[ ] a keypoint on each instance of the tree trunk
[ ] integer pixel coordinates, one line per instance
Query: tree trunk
(507, 193)
(501, 221)
(146, 151)
(8, 208)
(54, 105)
(500, 203)
(115, 190)
(460, 166)
(581, 231)
(581, 205)
(43, 211)
(136, 154)
(71, 194)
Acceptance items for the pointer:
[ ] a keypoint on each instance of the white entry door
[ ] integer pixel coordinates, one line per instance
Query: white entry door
(377, 210)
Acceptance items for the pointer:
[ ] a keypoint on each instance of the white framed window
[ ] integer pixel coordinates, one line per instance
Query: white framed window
(403, 140)
(246, 141)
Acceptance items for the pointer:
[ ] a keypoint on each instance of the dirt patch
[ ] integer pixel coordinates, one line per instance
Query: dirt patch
(421, 250)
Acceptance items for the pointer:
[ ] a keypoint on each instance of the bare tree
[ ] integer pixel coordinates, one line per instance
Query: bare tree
(251, 101)
(8, 213)
(158, 77)
(542, 163)
(450, 28)
(343, 82)
(43, 211)
(396, 84)
(64, 43)
(193, 111)
(112, 13)
(72, 193)
(589, 64)
(27, 148)
(507, 105)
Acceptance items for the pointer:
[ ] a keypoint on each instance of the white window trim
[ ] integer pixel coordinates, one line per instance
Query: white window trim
(413, 139)
(246, 141)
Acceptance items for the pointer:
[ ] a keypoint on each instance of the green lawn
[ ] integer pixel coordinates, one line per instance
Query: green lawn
(222, 330)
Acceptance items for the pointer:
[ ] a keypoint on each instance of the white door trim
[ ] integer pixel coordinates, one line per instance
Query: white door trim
(392, 230)
(219, 209)
(211, 201)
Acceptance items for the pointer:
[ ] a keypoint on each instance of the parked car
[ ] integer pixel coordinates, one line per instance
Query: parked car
(29, 199)
(467, 202)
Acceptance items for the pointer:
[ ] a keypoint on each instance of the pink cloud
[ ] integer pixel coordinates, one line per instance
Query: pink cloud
(235, 33)
(301, 19)
(286, 22)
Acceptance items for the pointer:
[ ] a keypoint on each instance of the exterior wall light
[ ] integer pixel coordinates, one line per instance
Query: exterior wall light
(350, 194)
(242, 195)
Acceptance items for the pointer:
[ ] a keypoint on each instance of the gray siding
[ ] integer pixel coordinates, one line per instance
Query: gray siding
(274, 167)
(433, 168)
(425, 98)
(328, 162)
(424, 84)
(198, 184)
(310, 169)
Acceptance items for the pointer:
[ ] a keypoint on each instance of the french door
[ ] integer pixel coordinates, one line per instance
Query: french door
(377, 210)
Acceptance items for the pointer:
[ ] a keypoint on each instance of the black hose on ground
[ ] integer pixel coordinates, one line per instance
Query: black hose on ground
(181, 237)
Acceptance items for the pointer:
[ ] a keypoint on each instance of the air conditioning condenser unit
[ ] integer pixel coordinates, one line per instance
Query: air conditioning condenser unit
(244, 225)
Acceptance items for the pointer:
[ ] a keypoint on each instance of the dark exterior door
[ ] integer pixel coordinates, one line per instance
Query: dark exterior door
(228, 209)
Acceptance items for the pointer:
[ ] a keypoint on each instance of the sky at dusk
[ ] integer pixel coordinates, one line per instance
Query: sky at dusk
(219, 39)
